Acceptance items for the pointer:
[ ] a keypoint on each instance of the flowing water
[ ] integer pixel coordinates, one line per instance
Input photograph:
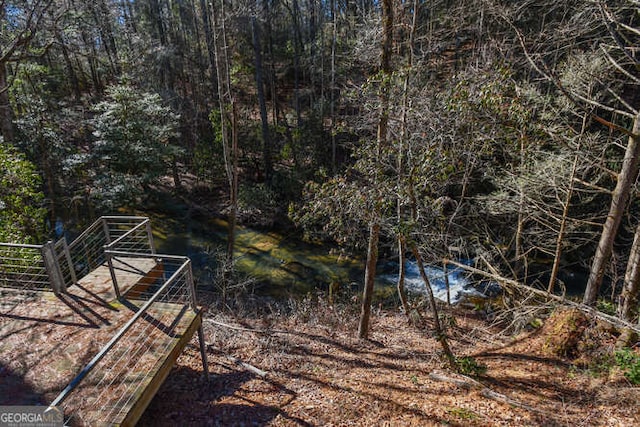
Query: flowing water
(278, 263)
(459, 283)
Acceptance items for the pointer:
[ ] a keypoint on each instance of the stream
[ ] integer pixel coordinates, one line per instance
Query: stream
(282, 265)
(279, 264)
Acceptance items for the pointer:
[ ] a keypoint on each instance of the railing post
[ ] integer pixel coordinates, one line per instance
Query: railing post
(192, 295)
(53, 268)
(192, 287)
(67, 255)
(114, 280)
(105, 227)
(150, 237)
(203, 353)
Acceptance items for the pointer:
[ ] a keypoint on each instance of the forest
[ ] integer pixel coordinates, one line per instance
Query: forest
(497, 136)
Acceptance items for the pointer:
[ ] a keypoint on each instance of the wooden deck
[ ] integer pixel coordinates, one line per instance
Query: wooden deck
(46, 340)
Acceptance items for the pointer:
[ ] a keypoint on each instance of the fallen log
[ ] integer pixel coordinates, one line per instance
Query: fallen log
(560, 299)
(468, 383)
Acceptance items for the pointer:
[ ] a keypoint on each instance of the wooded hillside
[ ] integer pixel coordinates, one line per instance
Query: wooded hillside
(503, 132)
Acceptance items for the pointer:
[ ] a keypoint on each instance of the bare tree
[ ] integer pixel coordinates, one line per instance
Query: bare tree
(28, 19)
(226, 97)
(612, 32)
(381, 144)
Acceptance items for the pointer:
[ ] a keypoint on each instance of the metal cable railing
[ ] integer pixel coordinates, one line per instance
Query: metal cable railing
(56, 266)
(87, 250)
(105, 389)
(158, 288)
(22, 267)
(130, 233)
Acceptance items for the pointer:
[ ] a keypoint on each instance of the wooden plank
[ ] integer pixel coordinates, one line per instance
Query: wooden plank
(139, 289)
(129, 271)
(158, 377)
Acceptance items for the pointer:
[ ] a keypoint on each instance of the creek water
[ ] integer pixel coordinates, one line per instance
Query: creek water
(283, 265)
(457, 281)
(278, 263)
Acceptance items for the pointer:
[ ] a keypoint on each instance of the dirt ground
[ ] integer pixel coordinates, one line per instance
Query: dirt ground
(317, 373)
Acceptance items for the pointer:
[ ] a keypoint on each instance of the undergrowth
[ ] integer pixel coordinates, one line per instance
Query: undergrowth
(629, 362)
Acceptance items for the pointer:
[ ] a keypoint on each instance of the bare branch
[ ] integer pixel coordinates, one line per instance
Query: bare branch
(609, 20)
(618, 66)
(571, 96)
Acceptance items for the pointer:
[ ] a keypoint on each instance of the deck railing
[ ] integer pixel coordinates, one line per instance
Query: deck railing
(56, 266)
(128, 233)
(162, 301)
(105, 383)
(36, 267)
(23, 267)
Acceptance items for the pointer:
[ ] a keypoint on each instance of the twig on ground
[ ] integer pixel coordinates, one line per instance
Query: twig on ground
(468, 383)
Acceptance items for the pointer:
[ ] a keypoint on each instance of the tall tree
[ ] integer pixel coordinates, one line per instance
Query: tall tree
(20, 23)
(629, 302)
(381, 147)
(266, 139)
(226, 98)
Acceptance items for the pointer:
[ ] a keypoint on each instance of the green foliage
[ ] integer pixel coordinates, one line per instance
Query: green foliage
(208, 154)
(335, 209)
(468, 365)
(21, 212)
(606, 306)
(462, 413)
(257, 196)
(629, 361)
(134, 144)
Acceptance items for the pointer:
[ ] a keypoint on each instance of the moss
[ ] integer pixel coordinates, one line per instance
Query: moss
(564, 333)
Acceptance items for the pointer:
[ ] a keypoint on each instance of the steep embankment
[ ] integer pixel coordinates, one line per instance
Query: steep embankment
(318, 373)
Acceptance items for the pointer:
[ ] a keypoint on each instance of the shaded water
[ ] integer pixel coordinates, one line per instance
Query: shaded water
(283, 265)
(280, 264)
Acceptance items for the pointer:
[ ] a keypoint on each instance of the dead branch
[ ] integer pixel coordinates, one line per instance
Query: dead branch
(469, 383)
(505, 282)
(248, 367)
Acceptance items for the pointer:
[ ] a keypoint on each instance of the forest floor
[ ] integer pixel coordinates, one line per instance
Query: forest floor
(317, 373)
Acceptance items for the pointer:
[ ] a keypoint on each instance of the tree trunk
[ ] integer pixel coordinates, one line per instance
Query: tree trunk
(208, 36)
(439, 331)
(332, 90)
(402, 259)
(271, 76)
(297, 44)
(620, 197)
(266, 140)
(402, 245)
(233, 199)
(381, 141)
(75, 86)
(519, 259)
(565, 214)
(628, 307)
(563, 224)
(6, 113)
(369, 277)
(106, 31)
(225, 96)
(156, 18)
